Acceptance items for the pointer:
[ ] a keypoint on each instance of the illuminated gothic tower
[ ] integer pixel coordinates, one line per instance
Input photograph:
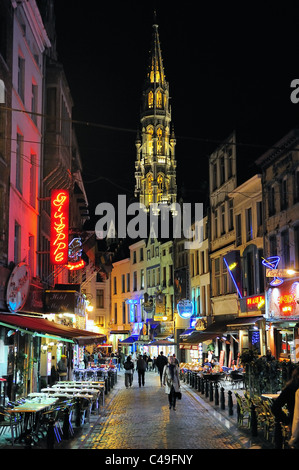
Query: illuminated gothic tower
(155, 166)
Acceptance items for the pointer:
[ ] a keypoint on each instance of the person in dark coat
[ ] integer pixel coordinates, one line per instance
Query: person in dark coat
(141, 368)
(160, 363)
(287, 397)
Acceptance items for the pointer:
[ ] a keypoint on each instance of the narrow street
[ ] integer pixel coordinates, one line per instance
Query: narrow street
(139, 418)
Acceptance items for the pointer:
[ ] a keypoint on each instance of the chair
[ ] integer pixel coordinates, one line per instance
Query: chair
(243, 410)
(9, 421)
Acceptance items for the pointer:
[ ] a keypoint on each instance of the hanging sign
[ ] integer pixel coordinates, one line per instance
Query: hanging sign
(18, 287)
(59, 226)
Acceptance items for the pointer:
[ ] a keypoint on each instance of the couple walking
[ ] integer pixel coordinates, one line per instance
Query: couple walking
(129, 371)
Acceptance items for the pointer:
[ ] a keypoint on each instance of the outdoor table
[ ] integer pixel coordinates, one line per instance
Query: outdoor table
(269, 396)
(31, 410)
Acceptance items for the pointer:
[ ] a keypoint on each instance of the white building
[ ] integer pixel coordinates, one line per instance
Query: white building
(29, 43)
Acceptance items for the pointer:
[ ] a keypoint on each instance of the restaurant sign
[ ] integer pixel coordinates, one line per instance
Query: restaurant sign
(59, 301)
(282, 301)
(18, 287)
(59, 227)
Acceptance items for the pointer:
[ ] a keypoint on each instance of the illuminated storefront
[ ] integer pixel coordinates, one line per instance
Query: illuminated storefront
(282, 317)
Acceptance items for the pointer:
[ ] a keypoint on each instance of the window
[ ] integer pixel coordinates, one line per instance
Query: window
(32, 182)
(273, 245)
(114, 286)
(230, 215)
(214, 176)
(34, 97)
(100, 321)
(19, 163)
(142, 279)
(123, 287)
(229, 163)
(284, 194)
(159, 142)
(128, 282)
(135, 280)
(124, 311)
(150, 99)
(159, 99)
(141, 254)
(99, 298)
(222, 170)
(238, 230)
(134, 257)
(21, 77)
(31, 251)
(249, 230)
(216, 224)
(285, 248)
(115, 313)
(217, 276)
(259, 216)
(271, 201)
(222, 221)
(17, 243)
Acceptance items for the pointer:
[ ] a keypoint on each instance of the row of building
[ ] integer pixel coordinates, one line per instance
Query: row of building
(64, 290)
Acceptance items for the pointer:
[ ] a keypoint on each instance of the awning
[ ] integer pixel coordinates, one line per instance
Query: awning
(200, 336)
(43, 327)
(130, 340)
(240, 322)
(188, 332)
(162, 342)
(119, 332)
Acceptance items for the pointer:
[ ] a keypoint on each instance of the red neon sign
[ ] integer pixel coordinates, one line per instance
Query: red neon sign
(287, 303)
(75, 266)
(59, 226)
(257, 301)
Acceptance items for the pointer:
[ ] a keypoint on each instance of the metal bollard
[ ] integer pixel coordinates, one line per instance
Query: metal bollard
(207, 388)
(230, 403)
(216, 394)
(202, 386)
(50, 434)
(78, 413)
(253, 421)
(211, 391)
(66, 425)
(222, 398)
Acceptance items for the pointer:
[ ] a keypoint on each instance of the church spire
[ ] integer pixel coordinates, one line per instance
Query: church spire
(155, 162)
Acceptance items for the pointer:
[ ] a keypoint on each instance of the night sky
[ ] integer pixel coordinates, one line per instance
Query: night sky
(228, 67)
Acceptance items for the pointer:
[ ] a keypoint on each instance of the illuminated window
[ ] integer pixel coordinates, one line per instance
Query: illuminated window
(160, 186)
(159, 142)
(150, 99)
(150, 188)
(159, 99)
(150, 140)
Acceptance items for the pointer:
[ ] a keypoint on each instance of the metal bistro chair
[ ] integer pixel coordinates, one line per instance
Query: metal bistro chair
(11, 422)
(243, 410)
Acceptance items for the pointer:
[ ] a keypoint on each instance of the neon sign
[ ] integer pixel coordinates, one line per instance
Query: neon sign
(258, 301)
(233, 265)
(75, 266)
(59, 226)
(287, 303)
(272, 263)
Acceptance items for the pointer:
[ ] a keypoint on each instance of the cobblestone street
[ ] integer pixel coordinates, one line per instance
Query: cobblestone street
(139, 418)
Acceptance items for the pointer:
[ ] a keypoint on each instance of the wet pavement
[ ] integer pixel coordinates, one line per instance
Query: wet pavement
(139, 418)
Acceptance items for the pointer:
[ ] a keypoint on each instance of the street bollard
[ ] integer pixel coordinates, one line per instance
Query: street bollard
(230, 403)
(78, 413)
(50, 434)
(253, 421)
(66, 424)
(222, 398)
(277, 435)
(211, 391)
(202, 386)
(207, 388)
(216, 394)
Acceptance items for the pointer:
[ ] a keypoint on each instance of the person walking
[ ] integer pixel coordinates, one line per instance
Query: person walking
(129, 369)
(62, 368)
(160, 363)
(294, 440)
(287, 397)
(171, 380)
(141, 368)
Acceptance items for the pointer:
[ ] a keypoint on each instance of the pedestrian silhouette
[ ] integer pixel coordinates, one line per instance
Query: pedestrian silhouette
(171, 380)
(129, 369)
(141, 368)
(161, 362)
